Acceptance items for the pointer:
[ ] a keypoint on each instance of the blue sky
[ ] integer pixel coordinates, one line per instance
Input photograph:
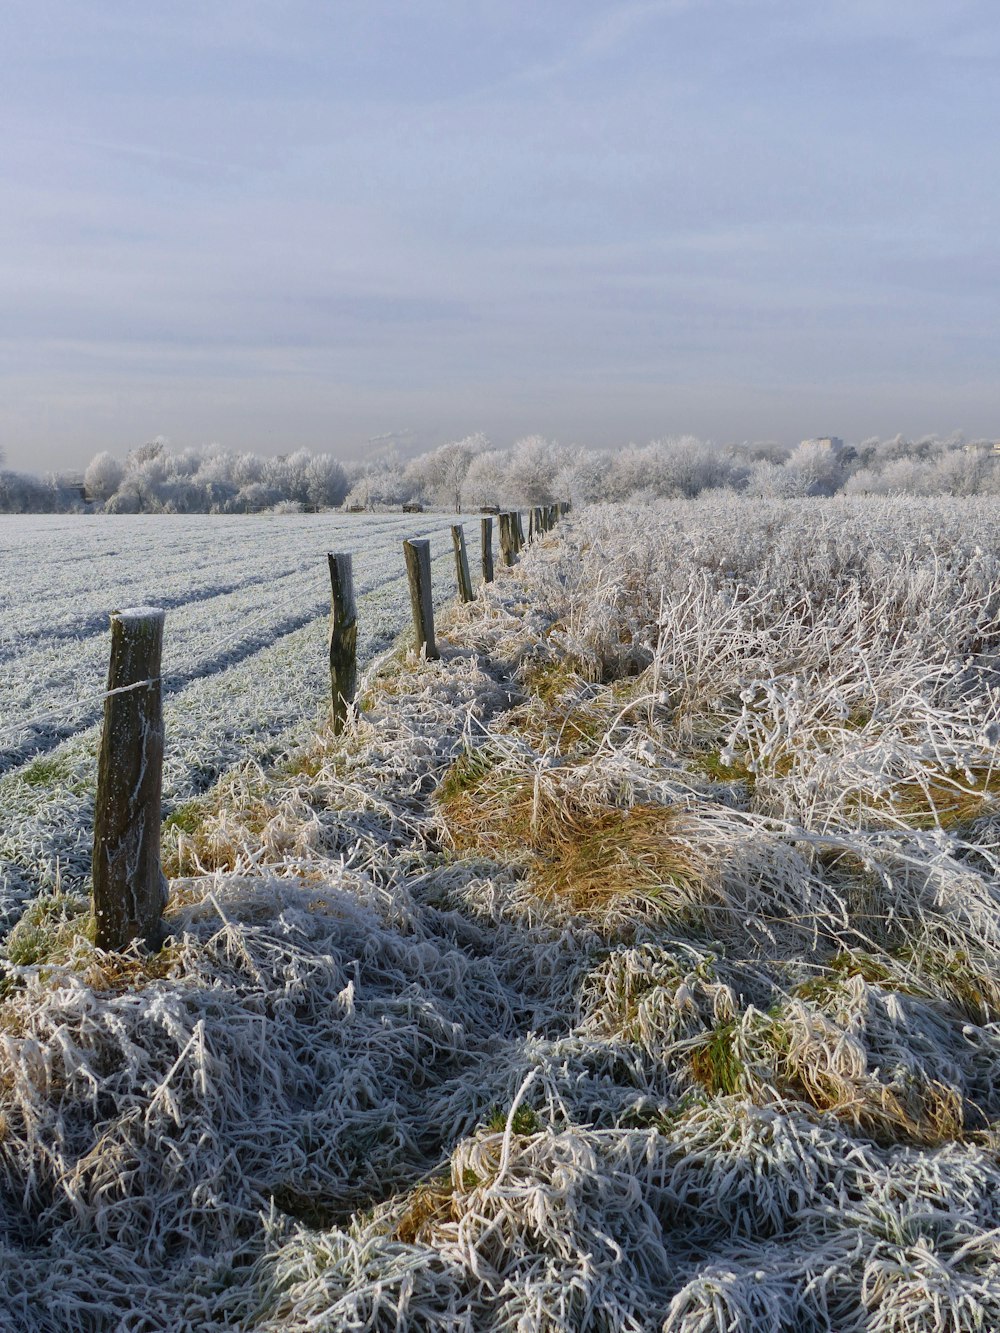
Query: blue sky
(277, 223)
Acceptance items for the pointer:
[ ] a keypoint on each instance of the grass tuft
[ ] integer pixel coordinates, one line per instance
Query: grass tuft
(575, 848)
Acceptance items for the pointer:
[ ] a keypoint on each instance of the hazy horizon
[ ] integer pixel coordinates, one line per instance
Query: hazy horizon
(296, 224)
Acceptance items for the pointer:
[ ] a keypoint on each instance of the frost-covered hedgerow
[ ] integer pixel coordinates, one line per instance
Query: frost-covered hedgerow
(634, 967)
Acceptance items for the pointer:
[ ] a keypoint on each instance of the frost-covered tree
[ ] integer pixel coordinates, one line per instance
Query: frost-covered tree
(380, 485)
(438, 476)
(287, 474)
(326, 482)
(583, 477)
(817, 468)
(253, 498)
(103, 476)
(21, 493)
(487, 481)
(534, 462)
(145, 453)
(771, 481)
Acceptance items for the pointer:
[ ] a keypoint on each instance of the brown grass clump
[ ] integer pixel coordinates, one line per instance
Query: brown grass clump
(430, 1205)
(578, 850)
(949, 799)
(117, 973)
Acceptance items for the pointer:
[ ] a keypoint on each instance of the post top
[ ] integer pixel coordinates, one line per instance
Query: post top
(156, 613)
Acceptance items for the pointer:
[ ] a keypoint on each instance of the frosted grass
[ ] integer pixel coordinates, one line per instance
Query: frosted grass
(244, 661)
(372, 1084)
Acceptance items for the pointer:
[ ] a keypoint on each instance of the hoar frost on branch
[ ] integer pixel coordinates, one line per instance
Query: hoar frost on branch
(535, 470)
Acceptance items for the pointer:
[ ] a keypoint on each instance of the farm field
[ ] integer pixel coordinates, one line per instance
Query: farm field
(244, 664)
(633, 967)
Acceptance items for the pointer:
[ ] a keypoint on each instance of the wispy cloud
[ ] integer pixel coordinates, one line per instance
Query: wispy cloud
(418, 212)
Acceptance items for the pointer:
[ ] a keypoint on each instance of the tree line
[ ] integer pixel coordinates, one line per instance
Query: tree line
(471, 473)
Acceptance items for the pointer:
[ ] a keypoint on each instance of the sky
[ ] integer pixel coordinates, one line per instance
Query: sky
(283, 223)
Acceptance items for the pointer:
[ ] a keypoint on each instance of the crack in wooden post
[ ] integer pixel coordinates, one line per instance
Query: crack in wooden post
(418, 571)
(343, 640)
(462, 575)
(508, 539)
(486, 542)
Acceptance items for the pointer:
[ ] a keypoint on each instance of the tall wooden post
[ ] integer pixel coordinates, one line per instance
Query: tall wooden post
(343, 641)
(130, 891)
(418, 571)
(508, 540)
(486, 541)
(519, 542)
(462, 576)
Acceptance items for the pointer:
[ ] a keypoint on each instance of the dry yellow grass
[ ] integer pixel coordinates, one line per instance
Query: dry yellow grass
(429, 1205)
(947, 799)
(577, 850)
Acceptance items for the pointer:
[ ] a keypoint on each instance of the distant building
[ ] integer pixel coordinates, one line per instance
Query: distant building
(73, 482)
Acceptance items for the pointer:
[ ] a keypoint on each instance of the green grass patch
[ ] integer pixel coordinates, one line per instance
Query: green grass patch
(47, 929)
(525, 1121)
(52, 771)
(716, 1064)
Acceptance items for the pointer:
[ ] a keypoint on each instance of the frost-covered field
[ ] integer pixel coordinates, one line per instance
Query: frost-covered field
(244, 652)
(634, 967)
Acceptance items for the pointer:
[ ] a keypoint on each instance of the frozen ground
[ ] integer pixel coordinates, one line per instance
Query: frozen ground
(247, 602)
(632, 968)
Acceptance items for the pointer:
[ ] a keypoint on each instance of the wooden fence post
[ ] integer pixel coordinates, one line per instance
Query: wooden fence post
(462, 575)
(418, 571)
(343, 641)
(130, 891)
(508, 539)
(519, 542)
(537, 525)
(486, 541)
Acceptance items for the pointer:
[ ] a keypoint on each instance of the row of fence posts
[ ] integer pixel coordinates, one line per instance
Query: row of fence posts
(129, 889)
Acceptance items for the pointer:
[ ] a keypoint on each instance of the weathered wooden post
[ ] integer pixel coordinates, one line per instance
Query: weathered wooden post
(519, 542)
(462, 575)
(418, 571)
(486, 541)
(508, 540)
(563, 508)
(343, 641)
(550, 517)
(130, 891)
(537, 526)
